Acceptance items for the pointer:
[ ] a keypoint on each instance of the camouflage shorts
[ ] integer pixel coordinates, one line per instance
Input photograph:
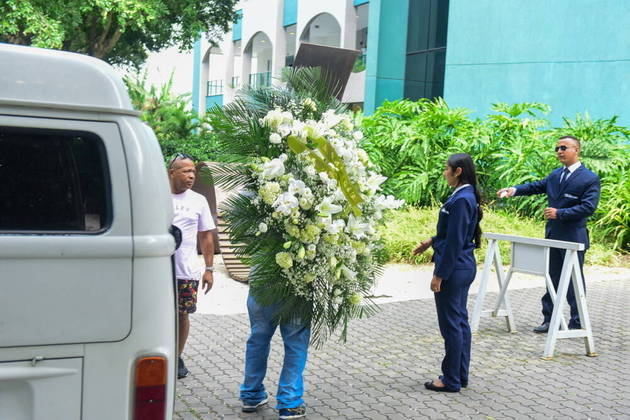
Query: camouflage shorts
(187, 295)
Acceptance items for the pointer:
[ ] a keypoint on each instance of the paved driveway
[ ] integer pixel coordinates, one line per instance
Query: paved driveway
(379, 373)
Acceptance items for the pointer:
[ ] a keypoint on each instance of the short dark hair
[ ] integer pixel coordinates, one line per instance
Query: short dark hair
(179, 156)
(575, 139)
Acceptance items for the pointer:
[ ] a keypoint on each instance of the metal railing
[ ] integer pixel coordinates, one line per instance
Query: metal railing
(236, 82)
(260, 79)
(215, 87)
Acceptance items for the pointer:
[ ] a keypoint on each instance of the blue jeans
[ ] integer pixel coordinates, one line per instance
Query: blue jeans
(296, 339)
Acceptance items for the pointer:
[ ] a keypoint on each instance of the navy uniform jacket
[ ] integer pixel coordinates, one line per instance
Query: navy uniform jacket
(575, 199)
(453, 245)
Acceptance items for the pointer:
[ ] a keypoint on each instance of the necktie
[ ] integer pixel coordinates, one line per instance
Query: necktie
(565, 175)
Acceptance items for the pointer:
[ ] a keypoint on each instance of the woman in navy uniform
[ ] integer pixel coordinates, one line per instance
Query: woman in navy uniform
(458, 234)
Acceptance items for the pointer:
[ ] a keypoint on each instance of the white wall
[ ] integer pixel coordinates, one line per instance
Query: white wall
(160, 65)
(267, 16)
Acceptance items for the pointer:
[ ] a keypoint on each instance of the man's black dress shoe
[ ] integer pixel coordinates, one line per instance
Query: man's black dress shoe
(542, 328)
(429, 385)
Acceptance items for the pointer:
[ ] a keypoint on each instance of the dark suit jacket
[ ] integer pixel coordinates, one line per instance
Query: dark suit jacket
(575, 199)
(453, 244)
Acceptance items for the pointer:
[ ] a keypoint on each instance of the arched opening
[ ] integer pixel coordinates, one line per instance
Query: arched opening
(214, 60)
(257, 60)
(323, 29)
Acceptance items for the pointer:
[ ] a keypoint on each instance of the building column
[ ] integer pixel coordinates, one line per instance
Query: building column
(349, 27)
(228, 90)
(203, 79)
(386, 53)
(246, 65)
(196, 87)
(278, 44)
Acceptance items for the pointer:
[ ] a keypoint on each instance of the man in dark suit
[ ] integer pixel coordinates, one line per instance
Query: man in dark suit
(572, 194)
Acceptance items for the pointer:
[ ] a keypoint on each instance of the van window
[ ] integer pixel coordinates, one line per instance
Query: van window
(52, 181)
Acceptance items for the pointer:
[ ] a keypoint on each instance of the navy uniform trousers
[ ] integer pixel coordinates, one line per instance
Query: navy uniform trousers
(455, 264)
(575, 200)
(450, 304)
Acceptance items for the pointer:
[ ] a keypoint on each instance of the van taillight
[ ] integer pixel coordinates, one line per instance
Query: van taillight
(150, 388)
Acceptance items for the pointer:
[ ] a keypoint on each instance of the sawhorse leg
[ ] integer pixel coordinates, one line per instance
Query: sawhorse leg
(502, 308)
(580, 298)
(570, 272)
(552, 293)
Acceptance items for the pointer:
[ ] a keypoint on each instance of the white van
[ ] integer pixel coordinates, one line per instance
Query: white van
(87, 298)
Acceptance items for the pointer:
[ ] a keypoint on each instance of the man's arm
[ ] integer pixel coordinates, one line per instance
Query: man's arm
(531, 188)
(536, 187)
(587, 206)
(206, 243)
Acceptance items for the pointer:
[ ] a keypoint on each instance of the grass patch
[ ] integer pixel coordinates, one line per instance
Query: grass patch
(406, 228)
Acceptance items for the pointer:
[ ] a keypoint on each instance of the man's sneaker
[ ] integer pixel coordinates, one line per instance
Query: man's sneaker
(182, 371)
(293, 413)
(250, 407)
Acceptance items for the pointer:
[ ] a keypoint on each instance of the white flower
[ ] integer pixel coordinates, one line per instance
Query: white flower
(273, 118)
(374, 182)
(272, 169)
(357, 135)
(275, 138)
(269, 191)
(363, 156)
(387, 203)
(310, 171)
(287, 117)
(262, 227)
(308, 103)
(298, 129)
(335, 227)
(346, 123)
(314, 130)
(327, 208)
(296, 186)
(347, 273)
(356, 228)
(339, 195)
(284, 130)
(330, 119)
(285, 203)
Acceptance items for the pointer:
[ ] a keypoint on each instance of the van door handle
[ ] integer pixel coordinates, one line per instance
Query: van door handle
(14, 373)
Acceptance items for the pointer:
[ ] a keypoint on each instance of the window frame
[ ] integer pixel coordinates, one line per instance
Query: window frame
(108, 221)
(430, 51)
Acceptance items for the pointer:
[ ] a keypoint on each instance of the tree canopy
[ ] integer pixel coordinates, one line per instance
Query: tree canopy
(117, 31)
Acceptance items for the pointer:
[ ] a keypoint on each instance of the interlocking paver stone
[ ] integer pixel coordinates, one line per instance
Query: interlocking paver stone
(379, 373)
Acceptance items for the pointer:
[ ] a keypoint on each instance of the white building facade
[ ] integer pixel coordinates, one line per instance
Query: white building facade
(265, 39)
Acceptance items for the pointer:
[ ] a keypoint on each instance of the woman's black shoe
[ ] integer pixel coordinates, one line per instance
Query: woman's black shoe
(431, 386)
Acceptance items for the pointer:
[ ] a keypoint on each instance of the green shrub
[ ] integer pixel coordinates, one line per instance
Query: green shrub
(405, 229)
(177, 128)
(410, 142)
